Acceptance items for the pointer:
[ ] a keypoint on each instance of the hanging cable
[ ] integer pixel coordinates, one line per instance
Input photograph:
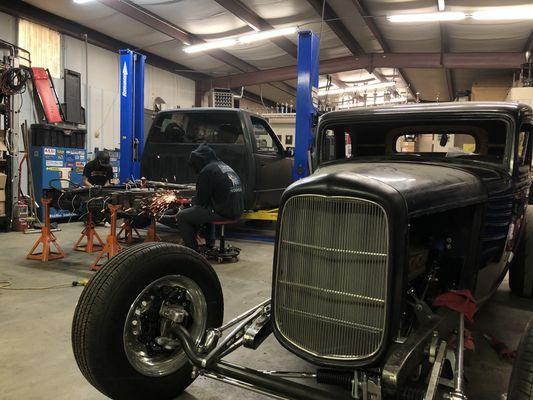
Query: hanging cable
(13, 81)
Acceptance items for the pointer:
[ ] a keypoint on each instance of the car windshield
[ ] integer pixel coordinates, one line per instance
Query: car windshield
(483, 140)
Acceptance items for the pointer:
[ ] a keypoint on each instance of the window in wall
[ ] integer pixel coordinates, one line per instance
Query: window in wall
(44, 45)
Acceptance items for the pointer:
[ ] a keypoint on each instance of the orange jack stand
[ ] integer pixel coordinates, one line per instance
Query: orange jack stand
(111, 247)
(128, 230)
(151, 232)
(47, 239)
(90, 233)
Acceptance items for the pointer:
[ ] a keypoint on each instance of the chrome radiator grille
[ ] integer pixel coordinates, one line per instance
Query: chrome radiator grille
(332, 274)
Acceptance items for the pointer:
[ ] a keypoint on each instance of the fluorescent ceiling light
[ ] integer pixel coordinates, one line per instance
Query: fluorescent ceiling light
(441, 5)
(215, 44)
(245, 39)
(353, 89)
(504, 13)
(428, 17)
(82, 1)
(254, 37)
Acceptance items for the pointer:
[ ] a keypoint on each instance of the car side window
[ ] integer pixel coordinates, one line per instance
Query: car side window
(265, 139)
(524, 145)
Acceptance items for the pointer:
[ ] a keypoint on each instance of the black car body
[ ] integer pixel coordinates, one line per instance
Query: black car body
(406, 204)
(426, 223)
(241, 139)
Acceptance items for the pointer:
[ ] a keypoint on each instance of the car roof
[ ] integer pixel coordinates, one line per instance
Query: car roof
(210, 110)
(517, 110)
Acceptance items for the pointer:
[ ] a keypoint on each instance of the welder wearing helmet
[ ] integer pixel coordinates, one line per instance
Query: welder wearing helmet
(219, 195)
(98, 172)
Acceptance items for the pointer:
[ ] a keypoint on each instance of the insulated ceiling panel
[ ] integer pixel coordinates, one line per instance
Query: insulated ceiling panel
(205, 18)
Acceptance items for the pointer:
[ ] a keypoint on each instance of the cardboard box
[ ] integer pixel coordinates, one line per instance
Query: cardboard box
(2, 195)
(3, 180)
(2, 208)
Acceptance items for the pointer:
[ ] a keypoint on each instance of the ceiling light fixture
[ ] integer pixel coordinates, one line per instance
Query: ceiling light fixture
(428, 17)
(255, 37)
(441, 5)
(504, 13)
(82, 1)
(215, 44)
(353, 89)
(245, 39)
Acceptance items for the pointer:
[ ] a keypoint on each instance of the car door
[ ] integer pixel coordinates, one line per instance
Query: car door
(273, 169)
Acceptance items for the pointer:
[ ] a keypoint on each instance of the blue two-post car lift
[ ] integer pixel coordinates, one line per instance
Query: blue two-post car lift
(132, 107)
(131, 113)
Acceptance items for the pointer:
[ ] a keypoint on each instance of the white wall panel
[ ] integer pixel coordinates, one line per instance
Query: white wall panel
(174, 89)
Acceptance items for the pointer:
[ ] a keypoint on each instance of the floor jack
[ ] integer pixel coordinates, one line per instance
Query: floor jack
(90, 233)
(151, 233)
(47, 239)
(128, 233)
(111, 246)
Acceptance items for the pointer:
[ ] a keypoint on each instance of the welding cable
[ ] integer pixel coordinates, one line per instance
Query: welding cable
(13, 81)
(6, 285)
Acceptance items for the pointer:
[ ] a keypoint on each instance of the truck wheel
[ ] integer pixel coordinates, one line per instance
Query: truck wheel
(117, 320)
(521, 383)
(521, 269)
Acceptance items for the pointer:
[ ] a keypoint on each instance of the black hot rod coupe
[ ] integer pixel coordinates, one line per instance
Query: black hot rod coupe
(406, 204)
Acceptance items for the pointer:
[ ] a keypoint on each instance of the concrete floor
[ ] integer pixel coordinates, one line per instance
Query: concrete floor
(35, 352)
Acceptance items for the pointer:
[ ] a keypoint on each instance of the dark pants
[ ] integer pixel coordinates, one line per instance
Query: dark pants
(189, 220)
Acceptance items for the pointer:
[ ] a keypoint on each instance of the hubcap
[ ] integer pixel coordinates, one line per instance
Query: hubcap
(147, 351)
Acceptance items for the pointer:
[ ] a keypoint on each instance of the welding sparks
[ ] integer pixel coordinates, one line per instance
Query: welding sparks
(161, 202)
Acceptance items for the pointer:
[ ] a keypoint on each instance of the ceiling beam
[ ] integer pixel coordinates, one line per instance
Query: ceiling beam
(324, 10)
(336, 25)
(370, 22)
(20, 9)
(377, 60)
(140, 14)
(257, 23)
(150, 19)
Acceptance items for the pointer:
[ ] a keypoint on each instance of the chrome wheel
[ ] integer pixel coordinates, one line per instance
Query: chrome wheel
(148, 352)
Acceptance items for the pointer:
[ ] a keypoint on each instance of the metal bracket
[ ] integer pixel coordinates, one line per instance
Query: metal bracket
(435, 372)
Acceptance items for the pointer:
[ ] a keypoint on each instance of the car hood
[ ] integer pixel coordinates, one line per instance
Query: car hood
(424, 187)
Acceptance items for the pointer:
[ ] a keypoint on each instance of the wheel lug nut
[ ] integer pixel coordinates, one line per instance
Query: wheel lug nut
(134, 322)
